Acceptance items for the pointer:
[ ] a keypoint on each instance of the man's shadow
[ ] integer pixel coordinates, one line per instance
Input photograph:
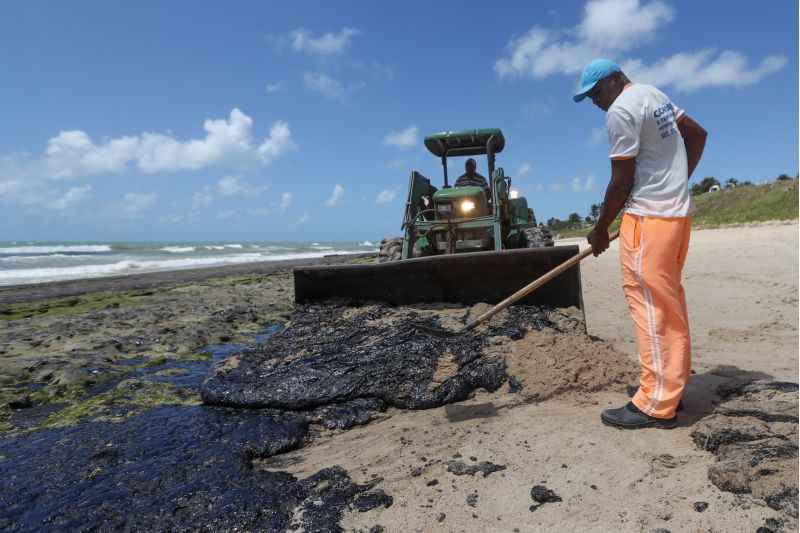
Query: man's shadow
(701, 397)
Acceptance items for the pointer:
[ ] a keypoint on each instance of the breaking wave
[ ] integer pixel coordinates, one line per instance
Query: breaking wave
(57, 248)
(128, 266)
(178, 249)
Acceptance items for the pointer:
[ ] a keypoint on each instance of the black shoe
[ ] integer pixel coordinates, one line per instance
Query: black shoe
(630, 417)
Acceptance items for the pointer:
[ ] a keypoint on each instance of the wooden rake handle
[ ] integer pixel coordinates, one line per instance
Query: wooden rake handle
(532, 286)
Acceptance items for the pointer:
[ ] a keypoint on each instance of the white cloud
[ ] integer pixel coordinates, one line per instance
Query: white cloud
(406, 138)
(225, 215)
(612, 28)
(615, 24)
(286, 200)
(273, 87)
(598, 135)
(73, 196)
(329, 43)
(336, 197)
(73, 154)
(704, 68)
(277, 143)
(584, 185)
(539, 187)
(608, 27)
(328, 87)
(555, 187)
(228, 186)
(524, 170)
(202, 198)
(37, 194)
(385, 196)
(234, 186)
(25, 180)
(134, 203)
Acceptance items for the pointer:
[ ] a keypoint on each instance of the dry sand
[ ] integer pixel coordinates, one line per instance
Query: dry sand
(742, 285)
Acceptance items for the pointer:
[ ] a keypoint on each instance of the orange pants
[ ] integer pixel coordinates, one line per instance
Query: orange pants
(652, 252)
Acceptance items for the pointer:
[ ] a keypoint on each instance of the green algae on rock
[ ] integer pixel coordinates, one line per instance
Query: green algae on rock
(128, 398)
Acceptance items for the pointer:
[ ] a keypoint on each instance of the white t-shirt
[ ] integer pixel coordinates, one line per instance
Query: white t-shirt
(642, 123)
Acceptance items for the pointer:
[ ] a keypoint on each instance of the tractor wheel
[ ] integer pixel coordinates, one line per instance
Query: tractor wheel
(537, 237)
(391, 250)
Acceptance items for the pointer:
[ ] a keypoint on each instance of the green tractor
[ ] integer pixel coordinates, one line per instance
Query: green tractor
(457, 219)
(461, 244)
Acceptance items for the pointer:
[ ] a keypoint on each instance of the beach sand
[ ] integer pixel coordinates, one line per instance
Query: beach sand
(742, 287)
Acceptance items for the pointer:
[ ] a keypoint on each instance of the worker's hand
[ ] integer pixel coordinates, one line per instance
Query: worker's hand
(598, 238)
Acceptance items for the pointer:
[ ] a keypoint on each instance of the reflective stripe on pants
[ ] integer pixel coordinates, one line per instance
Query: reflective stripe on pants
(652, 254)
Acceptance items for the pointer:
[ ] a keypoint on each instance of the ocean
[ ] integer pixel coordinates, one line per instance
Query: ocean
(24, 262)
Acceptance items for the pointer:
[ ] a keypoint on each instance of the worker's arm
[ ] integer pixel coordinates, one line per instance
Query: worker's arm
(694, 137)
(617, 192)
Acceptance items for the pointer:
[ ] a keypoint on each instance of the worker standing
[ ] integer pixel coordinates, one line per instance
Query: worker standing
(654, 148)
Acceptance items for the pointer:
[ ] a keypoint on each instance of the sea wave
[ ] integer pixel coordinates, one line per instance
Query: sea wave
(40, 258)
(56, 248)
(178, 249)
(367, 243)
(223, 246)
(277, 248)
(41, 275)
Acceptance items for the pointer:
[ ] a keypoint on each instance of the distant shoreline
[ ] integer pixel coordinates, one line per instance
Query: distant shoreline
(32, 292)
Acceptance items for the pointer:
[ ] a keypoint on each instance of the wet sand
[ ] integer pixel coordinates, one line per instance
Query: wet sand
(742, 286)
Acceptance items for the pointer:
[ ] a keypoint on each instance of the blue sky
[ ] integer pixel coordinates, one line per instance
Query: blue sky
(303, 120)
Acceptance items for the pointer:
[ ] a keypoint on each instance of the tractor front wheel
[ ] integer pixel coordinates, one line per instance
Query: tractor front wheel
(391, 250)
(537, 237)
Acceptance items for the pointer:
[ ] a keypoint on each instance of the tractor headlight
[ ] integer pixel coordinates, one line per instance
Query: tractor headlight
(514, 194)
(467, 206)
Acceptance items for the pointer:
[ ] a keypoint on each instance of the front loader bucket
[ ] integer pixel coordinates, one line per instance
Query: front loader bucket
(459, 278)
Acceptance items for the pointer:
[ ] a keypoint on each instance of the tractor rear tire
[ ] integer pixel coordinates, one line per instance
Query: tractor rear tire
(391, 250)
(537, 237)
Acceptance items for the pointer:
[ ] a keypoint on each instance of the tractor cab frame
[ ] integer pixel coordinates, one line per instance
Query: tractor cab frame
(464, 219)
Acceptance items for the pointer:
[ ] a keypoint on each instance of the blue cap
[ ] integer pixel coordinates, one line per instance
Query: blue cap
(594, 72)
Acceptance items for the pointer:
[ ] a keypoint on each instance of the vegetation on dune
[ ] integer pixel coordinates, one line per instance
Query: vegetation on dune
(716, 204)
(743, 204)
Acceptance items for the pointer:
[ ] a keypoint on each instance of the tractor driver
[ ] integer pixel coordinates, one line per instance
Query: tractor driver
(470, 178)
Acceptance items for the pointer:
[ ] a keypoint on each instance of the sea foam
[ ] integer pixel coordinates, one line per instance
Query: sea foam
(57, 248)
(40, 275)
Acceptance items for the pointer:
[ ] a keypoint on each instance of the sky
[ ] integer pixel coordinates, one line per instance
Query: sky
(303, 120)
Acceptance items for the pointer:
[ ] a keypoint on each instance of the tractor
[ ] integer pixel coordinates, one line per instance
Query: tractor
(461, 244)
(457, 219)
